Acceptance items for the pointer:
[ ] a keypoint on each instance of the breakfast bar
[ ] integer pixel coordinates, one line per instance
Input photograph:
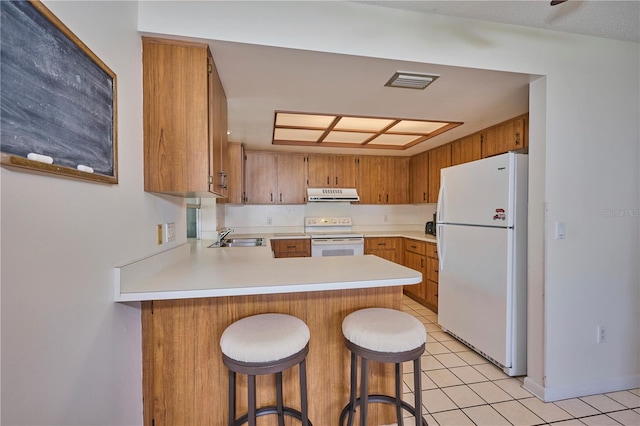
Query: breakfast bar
(191, 293)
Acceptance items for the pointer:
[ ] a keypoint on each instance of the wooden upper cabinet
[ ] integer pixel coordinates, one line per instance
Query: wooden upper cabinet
(184, 119)
(396, 186)
(292, 178)
(510, 135)
(235, 194)
(466, 149)
(383, 180)
(260, 177)
(275, 178)
(439, 158)
(369, 179)
(332, 171)
(419, 178)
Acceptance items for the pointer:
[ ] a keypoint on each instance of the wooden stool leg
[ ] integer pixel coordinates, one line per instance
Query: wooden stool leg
(232, 398)
(364, 390)
(304, 409)
(251, 388)
(399, 395)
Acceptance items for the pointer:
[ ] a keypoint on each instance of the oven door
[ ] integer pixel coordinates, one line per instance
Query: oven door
(337, 247)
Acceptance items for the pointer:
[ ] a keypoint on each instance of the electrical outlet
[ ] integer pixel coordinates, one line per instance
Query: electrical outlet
(600, 337)
(160, 237)
(169, 232)
(269, 220)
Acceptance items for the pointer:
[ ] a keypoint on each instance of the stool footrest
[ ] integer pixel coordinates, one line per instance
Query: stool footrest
(385, 399)
(272, 409)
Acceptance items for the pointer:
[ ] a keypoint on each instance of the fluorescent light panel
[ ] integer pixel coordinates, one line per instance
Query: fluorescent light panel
(292, 128)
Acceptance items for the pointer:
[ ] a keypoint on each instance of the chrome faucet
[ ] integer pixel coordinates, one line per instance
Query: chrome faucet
(222, 235)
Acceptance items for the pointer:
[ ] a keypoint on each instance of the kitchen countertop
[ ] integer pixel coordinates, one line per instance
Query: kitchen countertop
(416, 235)
(192, 271)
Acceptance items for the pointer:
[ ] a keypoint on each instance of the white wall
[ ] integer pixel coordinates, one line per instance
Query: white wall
(290, 218)
(585, 119)
(70, 355)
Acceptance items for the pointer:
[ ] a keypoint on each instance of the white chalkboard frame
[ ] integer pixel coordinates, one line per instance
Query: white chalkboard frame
(100, 148)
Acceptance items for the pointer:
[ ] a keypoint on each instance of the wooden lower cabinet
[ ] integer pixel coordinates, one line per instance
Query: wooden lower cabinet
(389, 248)
(433, 266)
(185, 382)
(422, 256)
(415, 258)
(297, 247)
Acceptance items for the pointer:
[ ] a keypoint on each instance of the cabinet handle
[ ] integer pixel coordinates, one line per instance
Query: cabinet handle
(422, 263)
(424, 196)
(328, 177)
(336, 180)
(281, 197)
(291, 247)
(271, 197)
(382, 244)
(517, 138)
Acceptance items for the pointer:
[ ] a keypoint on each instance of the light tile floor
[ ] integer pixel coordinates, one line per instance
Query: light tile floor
(459, 387)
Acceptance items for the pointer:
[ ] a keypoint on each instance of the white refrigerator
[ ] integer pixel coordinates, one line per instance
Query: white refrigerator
(482, 246)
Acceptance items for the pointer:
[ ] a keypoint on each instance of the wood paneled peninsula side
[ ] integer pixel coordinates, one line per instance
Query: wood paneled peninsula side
(191, 293)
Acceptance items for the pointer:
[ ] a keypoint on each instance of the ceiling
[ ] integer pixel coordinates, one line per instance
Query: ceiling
(259, 80)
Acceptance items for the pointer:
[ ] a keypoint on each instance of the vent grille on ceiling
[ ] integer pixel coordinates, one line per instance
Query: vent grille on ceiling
(410, 80)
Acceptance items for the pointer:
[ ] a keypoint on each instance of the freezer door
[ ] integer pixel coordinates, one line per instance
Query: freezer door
(475, 288)
(477, 193)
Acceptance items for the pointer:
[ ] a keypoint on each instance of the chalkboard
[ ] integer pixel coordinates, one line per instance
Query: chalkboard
(57, 98)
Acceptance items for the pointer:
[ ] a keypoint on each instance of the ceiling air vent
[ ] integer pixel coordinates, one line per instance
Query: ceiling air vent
(411, 80)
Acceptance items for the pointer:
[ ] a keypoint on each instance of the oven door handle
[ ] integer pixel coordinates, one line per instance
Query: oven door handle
(335, 241)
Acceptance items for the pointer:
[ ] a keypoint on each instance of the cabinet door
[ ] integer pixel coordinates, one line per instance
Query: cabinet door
(235, 193)
(384, 247)
(292, 178)
(217, 131)
(261, 181)
(369, 180)
(345, 171)
(466, 149)
(504, 137)
(419, 178)
(397, 180)
(439, 158)
(415, 261)
(320, 169)
(176, 118)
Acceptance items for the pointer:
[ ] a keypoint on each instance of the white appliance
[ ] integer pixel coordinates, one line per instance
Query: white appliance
(482, 245)
(332, 194)
(332, 236)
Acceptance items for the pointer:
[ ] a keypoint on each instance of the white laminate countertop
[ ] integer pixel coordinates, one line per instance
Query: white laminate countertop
(192, 271)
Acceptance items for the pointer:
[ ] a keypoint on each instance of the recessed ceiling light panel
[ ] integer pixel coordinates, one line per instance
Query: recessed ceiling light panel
(411, 80)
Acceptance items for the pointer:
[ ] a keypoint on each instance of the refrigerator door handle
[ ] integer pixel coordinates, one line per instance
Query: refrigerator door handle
(440, 202)
(439, 247)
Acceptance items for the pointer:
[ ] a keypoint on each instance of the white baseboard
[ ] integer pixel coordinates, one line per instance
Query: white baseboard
(550, 394)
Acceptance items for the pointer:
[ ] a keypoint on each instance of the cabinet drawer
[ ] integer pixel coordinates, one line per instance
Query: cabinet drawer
(385, 243)
(432, 250)
(291, 246)
(415, 246)
(432, 269)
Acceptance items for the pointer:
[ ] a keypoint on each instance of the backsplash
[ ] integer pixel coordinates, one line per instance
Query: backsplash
(246, 219)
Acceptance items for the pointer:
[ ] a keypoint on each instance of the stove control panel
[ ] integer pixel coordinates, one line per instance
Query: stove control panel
(327, 221)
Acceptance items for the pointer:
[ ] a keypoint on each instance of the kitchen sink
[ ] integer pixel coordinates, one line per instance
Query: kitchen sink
(240, 242)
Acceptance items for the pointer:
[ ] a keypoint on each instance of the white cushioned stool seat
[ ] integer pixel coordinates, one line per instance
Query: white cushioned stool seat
(384, 330)
(264, 338)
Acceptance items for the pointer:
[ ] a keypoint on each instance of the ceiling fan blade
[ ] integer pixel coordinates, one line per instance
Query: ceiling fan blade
(555, 2)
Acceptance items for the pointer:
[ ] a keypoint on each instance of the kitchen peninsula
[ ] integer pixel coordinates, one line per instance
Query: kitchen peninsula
(191, 293)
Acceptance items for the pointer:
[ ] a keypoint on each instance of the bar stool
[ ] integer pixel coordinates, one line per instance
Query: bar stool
(389, 336)
(266, 344)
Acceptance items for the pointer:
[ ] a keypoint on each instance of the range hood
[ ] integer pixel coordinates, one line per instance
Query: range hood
(332, 194)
